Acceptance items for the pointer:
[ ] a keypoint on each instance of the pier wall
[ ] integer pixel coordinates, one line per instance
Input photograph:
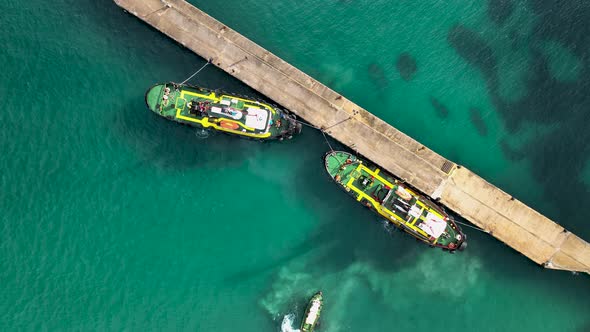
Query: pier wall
(463, 191)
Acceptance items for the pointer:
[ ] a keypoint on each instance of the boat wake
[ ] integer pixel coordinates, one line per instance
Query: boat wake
(287, 324)
(362, 281)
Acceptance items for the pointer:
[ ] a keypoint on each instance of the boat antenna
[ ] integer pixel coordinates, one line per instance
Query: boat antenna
(193, 75)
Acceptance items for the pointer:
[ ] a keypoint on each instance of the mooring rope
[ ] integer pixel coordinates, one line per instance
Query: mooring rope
(339, 122)
(474, 227)
(193, 75)
(323, 131)
(326, 138)
(307, 124)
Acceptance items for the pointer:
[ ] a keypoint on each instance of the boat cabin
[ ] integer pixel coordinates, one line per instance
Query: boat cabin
(415, 212)
(233, 109)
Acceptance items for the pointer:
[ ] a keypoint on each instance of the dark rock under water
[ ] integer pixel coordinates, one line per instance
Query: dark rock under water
(546, 100)
(377, 75)
(556, 102)
(515, 39)
(511, 153)
(406, 65)
(565, 21)
(471, 47)
(478, 121)
(500, 10)
(440, 108)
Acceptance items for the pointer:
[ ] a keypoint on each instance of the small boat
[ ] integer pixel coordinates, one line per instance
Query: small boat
(394, 200)
(312, 313)
(232, 114)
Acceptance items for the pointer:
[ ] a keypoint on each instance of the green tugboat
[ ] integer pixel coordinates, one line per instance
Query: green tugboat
(200, 107)
(393, 200)
(312, 313)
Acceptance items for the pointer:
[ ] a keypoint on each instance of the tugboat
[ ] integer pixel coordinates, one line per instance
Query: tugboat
(312, 313)
(205, 108)
(392, 199)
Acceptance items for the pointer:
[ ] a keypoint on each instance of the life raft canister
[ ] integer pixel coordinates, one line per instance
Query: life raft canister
(229, 125)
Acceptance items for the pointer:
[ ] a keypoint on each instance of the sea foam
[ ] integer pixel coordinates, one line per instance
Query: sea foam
(287, 324)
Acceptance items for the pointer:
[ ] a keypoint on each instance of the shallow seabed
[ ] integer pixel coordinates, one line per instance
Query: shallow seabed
(115, 219)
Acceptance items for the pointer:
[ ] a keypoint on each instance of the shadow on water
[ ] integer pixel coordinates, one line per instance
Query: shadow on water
(346, 238)
(167, 59)
(584, 328)
(347, 232)
(158, 141)
(353, 232)
(167, 144)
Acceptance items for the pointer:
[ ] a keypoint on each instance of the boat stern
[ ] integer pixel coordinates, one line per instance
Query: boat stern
(457, 240)
(462, 241)
(292, 127)
(295, 126)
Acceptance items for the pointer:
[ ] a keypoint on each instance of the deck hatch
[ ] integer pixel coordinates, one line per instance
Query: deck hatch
(447, 166)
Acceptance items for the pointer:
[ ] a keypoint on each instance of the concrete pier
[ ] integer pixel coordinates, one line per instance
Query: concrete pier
(522, 228)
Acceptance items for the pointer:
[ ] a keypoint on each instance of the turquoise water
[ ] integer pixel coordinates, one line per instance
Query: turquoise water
(114, 219)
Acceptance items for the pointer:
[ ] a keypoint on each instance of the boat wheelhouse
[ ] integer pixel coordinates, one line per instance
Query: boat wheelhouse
(232, 114)
(392, 199)
(312, 313)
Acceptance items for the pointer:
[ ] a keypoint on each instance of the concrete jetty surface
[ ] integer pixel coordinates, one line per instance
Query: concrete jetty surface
(522, 228)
